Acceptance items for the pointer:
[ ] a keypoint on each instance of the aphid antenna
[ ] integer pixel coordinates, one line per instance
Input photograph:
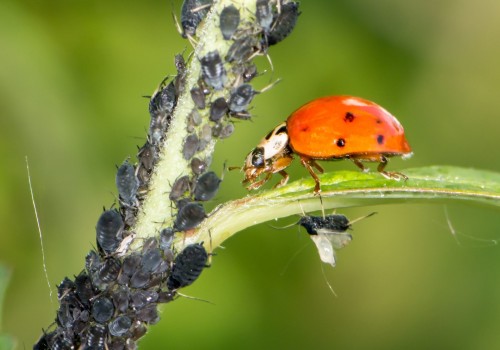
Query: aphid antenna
(456, 233)
(327, 282)
(195, 298)
(264, 53)
(270, 86)
(224, 169)
(199, 8)
(292, 258)
(361, 218)
(39, 230)
(284, 227)
(176, 20)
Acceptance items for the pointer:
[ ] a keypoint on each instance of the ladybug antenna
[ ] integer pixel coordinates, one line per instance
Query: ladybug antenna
(361, 218)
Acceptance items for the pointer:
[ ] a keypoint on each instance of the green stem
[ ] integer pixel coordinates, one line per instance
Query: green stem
(157, 210)
(347, 189)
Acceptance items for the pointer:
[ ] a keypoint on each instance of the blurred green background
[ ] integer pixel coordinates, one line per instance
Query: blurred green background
(71, 79)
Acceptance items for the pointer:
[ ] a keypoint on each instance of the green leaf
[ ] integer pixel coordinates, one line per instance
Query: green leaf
(347, 189)
(6, 342)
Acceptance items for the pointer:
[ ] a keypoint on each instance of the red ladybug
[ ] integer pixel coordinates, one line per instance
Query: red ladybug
(329, 128)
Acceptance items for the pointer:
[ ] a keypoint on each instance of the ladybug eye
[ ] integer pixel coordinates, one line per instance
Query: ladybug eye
(340, 142)
(258, 157)
(282, 129)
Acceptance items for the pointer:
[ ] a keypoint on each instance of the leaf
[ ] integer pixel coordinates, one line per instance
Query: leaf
(347, 189)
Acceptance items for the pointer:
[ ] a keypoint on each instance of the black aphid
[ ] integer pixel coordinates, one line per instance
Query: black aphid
(83, 287)
(108, 272)
(191, 144)
(120, 325)
(189, 216)
(127, 183)
(226, 131)
(264, 14)
(192, 13)
(139, 279)
(151, 260)
(148, 314)
(333, 223)
(241, 98)
(206, 186)
(180, 186)
(188, 266)
(205, 137)
(180, 78)
(65, 287)
(109, 231)
(95, 338)
(198, 97)
(166, 238)
(213, 71)
(102, 309)
(198, 166)
(141, 298)
(161, 106)
(229, 21)
(242, 49)
(218, 109)
(284, 23)
(121, 297)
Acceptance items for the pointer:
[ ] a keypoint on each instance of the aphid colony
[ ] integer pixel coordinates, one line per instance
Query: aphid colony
(112, 301)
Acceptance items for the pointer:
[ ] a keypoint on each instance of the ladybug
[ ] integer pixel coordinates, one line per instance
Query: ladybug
(329, 128)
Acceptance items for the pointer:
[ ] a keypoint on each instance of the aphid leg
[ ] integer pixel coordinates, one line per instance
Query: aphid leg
(394, 175)
(307, 164)
(176, 21)
(209, 260)
(361, 218)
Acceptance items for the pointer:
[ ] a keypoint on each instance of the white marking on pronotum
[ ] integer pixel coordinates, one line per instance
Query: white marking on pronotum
(39, 230)
(354, 102)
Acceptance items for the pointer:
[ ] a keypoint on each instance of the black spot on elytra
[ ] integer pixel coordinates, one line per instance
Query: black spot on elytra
(379, 121)
(340, 142)
(349, 117)
(380, 139)
(304, 129)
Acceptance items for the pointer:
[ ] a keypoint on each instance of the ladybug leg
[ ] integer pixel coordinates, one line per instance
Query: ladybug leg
(259, 184)
(307, 164)
(284, 180)
(394, 175)
(360, 165)
(318, 167)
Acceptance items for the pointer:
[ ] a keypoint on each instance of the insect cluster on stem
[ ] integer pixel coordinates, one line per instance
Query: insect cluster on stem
(110, 304)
